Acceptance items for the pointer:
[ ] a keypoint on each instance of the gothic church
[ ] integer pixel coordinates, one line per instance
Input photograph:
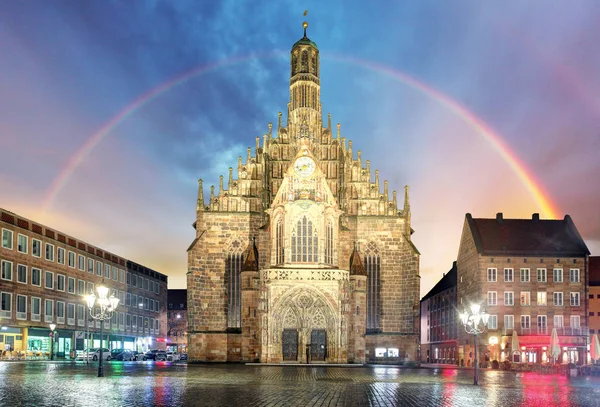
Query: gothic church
(302, 258)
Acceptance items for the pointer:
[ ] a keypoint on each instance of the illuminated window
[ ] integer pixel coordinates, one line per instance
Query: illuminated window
(305, 242)
(380, 352)
(329, 243)
(233, 268)
(541, 298)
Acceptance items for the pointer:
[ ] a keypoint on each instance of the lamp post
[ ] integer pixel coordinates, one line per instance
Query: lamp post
(106, 306)
(52, 328)
(475, 322)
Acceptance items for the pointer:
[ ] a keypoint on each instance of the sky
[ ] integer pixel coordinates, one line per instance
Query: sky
(480, 107)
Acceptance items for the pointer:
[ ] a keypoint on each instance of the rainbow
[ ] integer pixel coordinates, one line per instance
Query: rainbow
(510, 157)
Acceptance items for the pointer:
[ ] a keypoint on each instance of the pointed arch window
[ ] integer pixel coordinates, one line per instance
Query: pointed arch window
(233, 268)
(305, 242)
(279, 244)
(372, 265)
(329, 243)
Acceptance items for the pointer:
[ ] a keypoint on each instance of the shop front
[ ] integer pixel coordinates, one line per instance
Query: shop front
(536, 349)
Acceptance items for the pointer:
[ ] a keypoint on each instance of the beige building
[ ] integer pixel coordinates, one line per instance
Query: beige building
(302, 255)
(45, 275)
(531, 276)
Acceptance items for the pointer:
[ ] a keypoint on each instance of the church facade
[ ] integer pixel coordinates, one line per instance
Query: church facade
(303, 256)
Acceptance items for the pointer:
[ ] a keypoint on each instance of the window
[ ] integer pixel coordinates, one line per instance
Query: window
(90, 287)
(90, 267)
(492, 275)
(329, 242)
(36, 247)
(36, 277)
(541, 275)
(7, 239)
(134, 301)
(98, 268)
(107, 271)
(558, 275)
(49, 252)
(492, 298)
(509, 322)
(128, 321)
(279, 245)
(146, 304)
(80, 315)
(509, 275)
(233, 268)
(134, 280)
(22, 273)
(128, 278)
(81, 262)
(121, 276)
(48, 310)
(525, 298)
(542, 325)
(22, 243)
(21, 307)
(157, 287)
(7, 268)
(115, 275)
(6, 306)
(36, 308)
(81, 287)
(575, 322)
(60, 255)
(49, 280)
(60, 312)
(71, 259)
(71, 285)
(128, 299)
(493, 322)
(574, 299)
(591, 296)
(509, 298)
(542, 298)
(145, 280)
(305, 242)
(558, 298)
(559, 321)
(574, 275)
(71, 314)
(60, 282)
(372, 265)
(525, 277)
(525, 322)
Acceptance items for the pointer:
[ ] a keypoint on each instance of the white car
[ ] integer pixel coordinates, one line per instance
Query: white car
(93, 354)
(173, 356)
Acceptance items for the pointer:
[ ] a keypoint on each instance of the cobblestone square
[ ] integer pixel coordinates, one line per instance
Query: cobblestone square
(165, 384)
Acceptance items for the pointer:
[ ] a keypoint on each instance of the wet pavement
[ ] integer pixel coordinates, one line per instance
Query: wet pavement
(177, 384)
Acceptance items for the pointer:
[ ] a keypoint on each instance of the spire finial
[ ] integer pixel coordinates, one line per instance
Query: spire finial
(305, 24)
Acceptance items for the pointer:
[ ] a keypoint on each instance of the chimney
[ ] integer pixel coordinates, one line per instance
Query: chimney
(499, 217)
(535, 216)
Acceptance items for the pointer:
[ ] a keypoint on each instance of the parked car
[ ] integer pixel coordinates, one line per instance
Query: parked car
(136, 355)
(94, 354)
(183, 356)
(121, 354)
(155, 354)
(172, 356)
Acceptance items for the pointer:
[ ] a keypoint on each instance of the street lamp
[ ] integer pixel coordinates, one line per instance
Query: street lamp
(52, 328)
(106, 305)
(475, 323)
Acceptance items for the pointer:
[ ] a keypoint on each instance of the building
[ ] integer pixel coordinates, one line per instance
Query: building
(531, 276)
(45, 275)
(439, 322)
(177, 320)
(301, 255)
(146, 300)
(594, 296)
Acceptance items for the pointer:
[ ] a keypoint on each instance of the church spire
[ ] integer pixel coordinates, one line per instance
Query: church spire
(200, 201)
(305, 88)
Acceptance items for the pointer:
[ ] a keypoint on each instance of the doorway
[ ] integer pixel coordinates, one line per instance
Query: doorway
(318, 345)
(289, 342)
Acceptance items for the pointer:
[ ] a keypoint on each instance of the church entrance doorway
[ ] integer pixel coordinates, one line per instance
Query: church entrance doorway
(289, 342)
(318, 345)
